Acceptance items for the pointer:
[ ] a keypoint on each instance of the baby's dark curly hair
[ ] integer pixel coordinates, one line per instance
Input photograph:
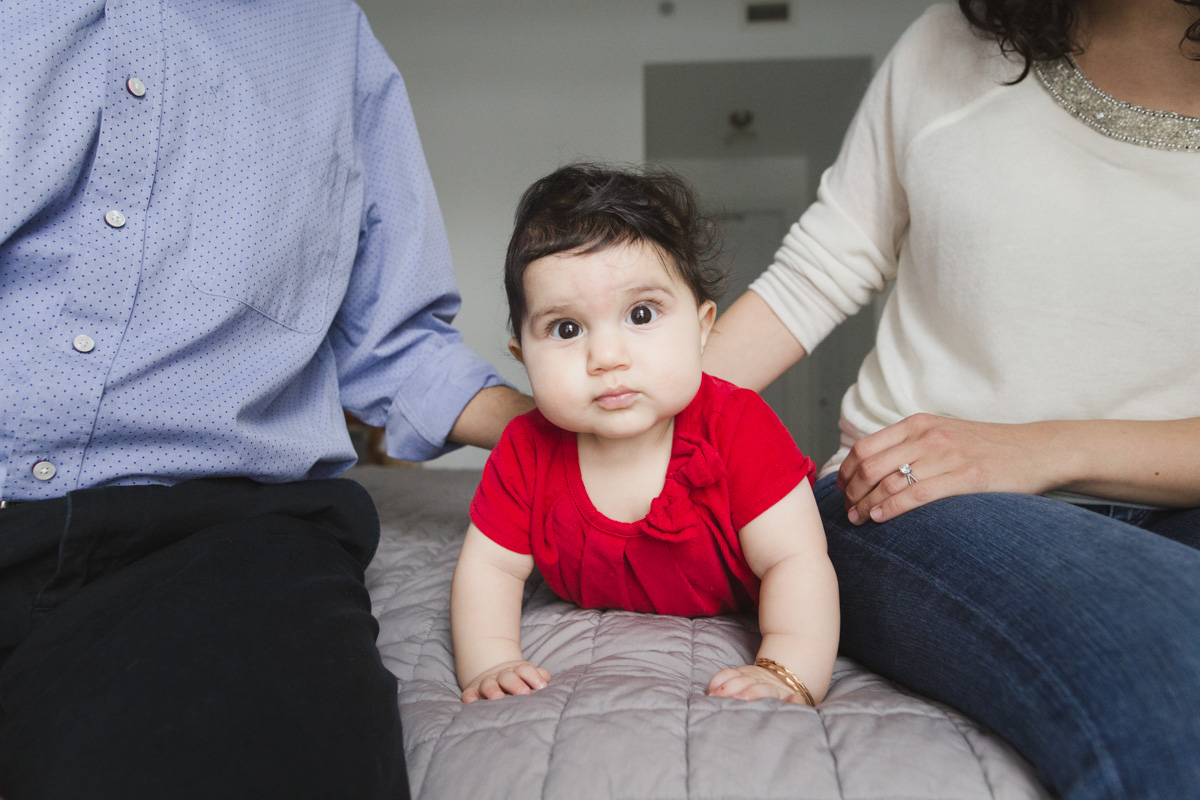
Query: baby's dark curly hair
(584, 208)
(1040, 30)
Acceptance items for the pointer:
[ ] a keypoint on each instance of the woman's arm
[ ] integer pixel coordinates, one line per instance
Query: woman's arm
(485, 621)
(1156, 463)
(798, 602)
(749, 345)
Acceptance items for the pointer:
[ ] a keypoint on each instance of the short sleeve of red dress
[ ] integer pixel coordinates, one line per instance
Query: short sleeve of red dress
(502, 506)
(762, 459)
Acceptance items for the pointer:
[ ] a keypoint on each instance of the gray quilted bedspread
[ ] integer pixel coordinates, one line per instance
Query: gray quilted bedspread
(625, 714)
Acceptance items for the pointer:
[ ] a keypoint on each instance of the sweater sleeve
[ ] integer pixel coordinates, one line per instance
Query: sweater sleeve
(844, 249)
(846, 246)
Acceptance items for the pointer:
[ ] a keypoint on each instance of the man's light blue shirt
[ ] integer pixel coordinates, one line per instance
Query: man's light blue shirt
(217, 230)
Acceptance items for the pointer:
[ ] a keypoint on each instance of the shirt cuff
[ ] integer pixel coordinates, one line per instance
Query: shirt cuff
(430, 401)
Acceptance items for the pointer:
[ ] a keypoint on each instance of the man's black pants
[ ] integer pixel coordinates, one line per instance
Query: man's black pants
(209, 639)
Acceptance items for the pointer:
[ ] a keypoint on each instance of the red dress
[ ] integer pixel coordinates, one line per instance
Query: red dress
(731, 460)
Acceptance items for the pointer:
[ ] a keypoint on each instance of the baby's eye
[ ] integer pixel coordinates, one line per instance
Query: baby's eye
(642, 315)
(565, 329)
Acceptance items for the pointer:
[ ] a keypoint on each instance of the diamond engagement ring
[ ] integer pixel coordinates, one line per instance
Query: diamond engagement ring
(906, 471)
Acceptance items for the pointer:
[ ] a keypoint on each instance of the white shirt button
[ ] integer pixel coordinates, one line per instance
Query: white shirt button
(115, 218)
(136, 87)
(44, 470)
(84, 343)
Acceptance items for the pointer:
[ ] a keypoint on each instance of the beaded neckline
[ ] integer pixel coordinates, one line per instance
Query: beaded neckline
(1162, 130)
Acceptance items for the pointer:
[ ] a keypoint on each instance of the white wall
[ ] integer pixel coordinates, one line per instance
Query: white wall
(505, 92)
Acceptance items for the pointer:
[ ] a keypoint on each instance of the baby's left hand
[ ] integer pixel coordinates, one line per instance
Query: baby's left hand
(749, 682)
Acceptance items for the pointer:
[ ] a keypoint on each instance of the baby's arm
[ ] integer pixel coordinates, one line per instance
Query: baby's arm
(798, 602)
(485, 621)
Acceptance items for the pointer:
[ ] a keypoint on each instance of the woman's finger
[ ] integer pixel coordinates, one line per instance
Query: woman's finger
(914, 496)
(891, 484)
(869, 460)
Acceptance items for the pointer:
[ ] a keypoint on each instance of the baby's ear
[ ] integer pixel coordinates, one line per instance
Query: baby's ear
(708, 315)
(514, 347)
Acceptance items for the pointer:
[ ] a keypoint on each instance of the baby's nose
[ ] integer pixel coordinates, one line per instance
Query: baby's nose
(607, 351)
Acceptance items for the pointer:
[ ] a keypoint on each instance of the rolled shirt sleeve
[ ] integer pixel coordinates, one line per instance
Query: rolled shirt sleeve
(401, 364)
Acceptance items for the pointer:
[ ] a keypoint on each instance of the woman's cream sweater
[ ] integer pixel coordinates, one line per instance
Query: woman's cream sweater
(1045, 265)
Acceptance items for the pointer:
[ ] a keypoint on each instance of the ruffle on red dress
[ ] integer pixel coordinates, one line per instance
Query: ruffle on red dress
(673, 516)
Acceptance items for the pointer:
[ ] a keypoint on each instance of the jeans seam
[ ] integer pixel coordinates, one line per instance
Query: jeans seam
(1106, 760)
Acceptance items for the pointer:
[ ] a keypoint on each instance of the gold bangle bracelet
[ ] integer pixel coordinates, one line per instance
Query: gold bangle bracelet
(787, 676)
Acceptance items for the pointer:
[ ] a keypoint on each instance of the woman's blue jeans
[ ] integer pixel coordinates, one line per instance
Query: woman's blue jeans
(1072, 634)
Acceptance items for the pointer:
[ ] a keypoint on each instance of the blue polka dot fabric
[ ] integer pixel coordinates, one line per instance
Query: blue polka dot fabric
(217, 230)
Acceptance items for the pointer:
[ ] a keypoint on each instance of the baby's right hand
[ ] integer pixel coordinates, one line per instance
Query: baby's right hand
(511, 677)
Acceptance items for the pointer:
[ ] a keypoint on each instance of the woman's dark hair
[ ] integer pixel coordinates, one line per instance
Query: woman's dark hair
(585, 208)
(1040, 30)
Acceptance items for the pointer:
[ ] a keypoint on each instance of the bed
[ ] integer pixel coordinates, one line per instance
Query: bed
(625, 715)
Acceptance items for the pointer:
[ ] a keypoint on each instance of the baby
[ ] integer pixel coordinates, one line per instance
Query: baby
(639, 482)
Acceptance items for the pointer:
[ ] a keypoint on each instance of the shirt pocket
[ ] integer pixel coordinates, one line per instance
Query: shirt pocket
(268, 229)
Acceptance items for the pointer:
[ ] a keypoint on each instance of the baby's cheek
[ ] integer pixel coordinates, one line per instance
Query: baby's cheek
(558, 407)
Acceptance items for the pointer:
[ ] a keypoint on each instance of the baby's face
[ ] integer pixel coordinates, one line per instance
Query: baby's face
(612, 341)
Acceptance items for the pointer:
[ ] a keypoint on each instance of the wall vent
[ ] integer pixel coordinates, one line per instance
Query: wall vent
(757, 13)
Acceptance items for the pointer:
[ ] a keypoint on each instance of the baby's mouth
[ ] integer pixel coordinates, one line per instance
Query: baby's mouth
(618, 398)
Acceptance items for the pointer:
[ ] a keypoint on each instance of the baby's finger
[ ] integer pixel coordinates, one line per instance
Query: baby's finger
(512, 683)
(532, 676)
(762, 689)
(758, 689)
(735, 686)
(471, 695)
(720, 678)
(490, 689)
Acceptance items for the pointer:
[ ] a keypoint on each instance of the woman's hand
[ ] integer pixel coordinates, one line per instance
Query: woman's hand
(511, 677)
(749, 682)
(947, 457)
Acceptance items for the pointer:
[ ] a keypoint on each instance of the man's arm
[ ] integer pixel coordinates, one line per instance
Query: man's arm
(401, 363)
(484, 417)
